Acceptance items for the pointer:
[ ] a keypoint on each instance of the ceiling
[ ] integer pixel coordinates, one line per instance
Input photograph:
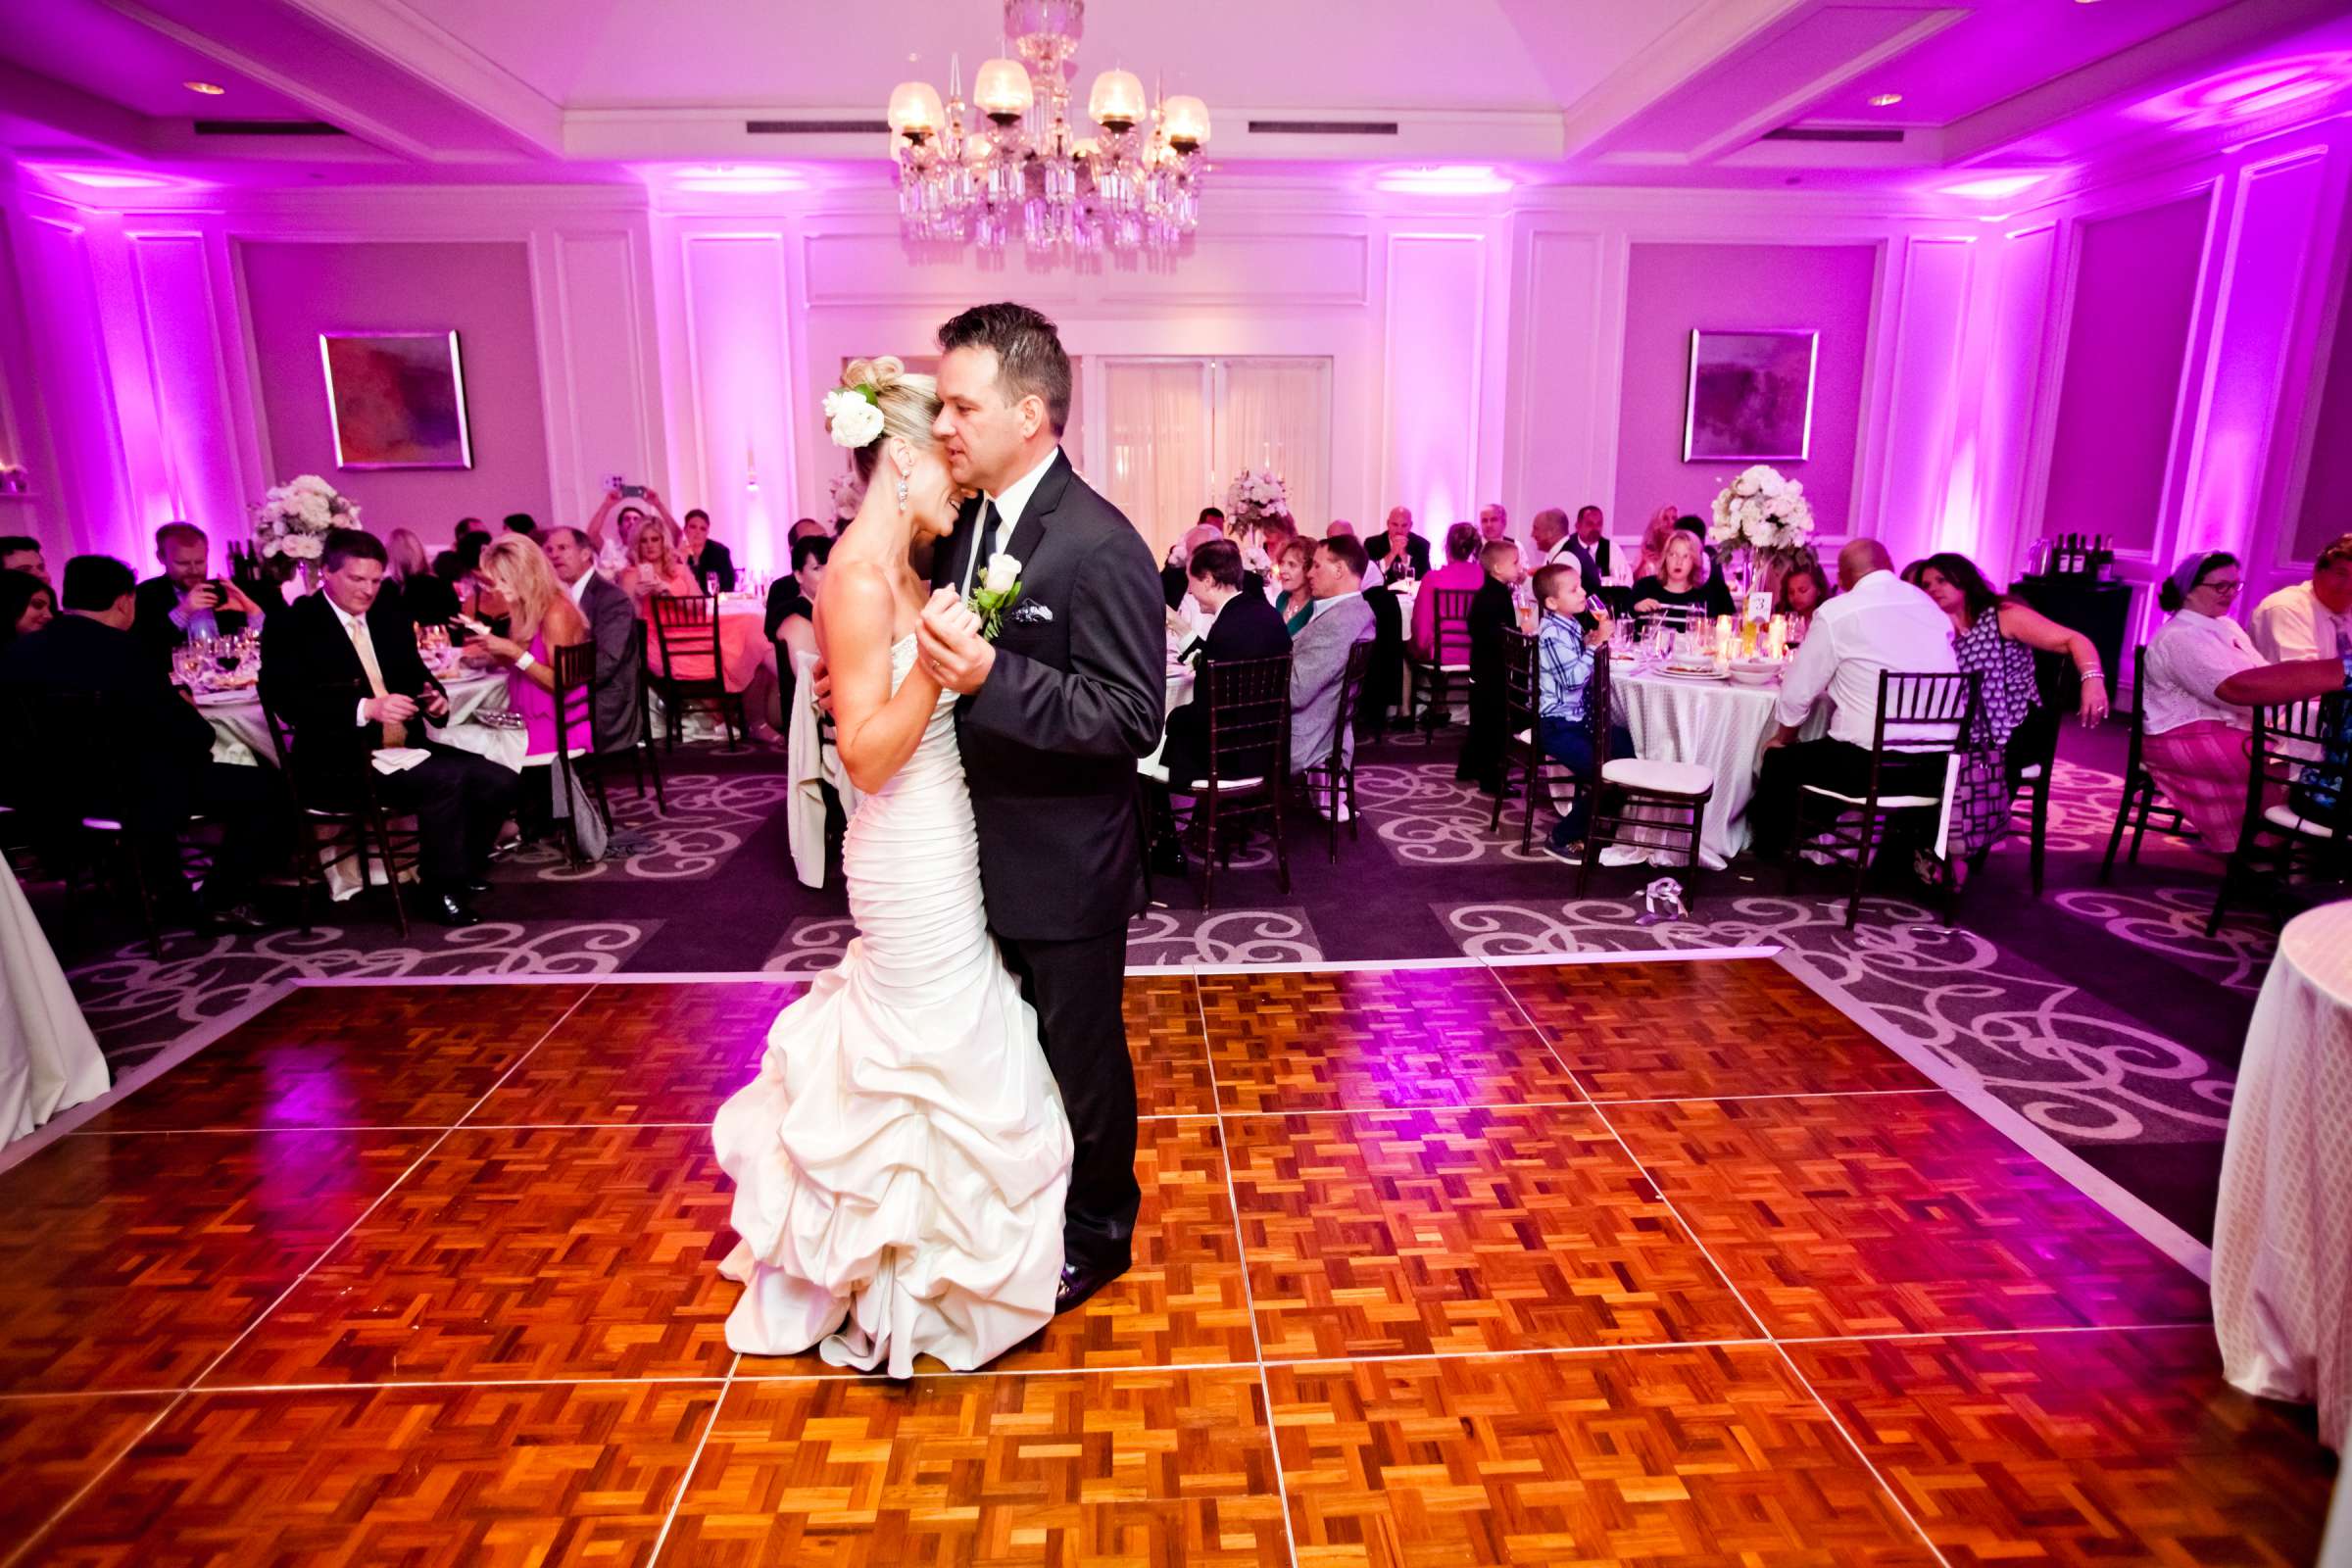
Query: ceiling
(1659, 91)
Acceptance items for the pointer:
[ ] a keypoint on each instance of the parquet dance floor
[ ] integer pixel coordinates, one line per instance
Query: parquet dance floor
(1646, 1262)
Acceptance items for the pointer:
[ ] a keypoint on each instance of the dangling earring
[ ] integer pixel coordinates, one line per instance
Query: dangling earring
(902, 495)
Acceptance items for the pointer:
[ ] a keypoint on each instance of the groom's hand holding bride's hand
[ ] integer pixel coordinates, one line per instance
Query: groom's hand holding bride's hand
(948, 637)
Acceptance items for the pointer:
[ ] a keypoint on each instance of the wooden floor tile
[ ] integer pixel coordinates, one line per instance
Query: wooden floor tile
(644, 1053)
(129, 1262)
(2080, 1449)
(1171, 1052)
(50, 1448)
(352, 1057)
(1683, 1031)
(467, 1477)
(1461, 1231)
(1137, 1468)
(1355, 1004)
(520, 1253)
(1399, 1071)
(1899, 1214)
(1710, 1455)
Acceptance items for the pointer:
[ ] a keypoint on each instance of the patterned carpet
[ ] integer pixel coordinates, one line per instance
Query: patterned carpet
(2102, 1015)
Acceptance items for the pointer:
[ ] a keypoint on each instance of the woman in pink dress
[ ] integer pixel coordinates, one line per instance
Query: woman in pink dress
(543, 618)
(656, 566)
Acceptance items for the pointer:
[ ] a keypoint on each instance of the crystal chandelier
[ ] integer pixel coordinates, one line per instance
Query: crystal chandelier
(1023, 168)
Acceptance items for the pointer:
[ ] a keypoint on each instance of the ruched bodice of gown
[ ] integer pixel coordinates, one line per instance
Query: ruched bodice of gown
(901, 1160)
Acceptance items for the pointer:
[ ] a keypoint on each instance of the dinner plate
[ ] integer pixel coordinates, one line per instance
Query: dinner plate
(1692, 675)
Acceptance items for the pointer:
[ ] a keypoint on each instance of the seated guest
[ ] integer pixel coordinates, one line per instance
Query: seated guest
(342, 671)
(428, 598)
(1493, 614)
(523, 523)
(1652, 554)
(21, 553)
(26, 605)
(1494, 524)
(1174, 580)
(1295, 603)
(186, 601)
(1396, 537)
(610, 618)
(613, 531)
(1683, 581)
(543, 617)
(1574, 631)
(2196, 742)
(1595, 556)
(655, 567)
(1461, 570)
(1241, 625)
(1320, 650)
(1878, 623)
(1552, 540)
(1803, 589)
(2309, 619)
(1995, 636)
(151, 765)
(714, 568)
(792, 621)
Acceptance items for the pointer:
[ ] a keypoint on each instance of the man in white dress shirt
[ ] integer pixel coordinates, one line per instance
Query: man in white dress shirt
(2309, 619)
(1878, 623)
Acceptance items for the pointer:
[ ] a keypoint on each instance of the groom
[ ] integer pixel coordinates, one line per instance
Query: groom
(1054, 714)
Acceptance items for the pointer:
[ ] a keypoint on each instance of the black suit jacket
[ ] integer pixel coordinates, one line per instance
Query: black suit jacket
(1076, 696)
(152, 624)
(1492, 613)
(611, 619)
(714, 569)
(145, 763)
(1416, 549)
(1247, 627)
(313, 678)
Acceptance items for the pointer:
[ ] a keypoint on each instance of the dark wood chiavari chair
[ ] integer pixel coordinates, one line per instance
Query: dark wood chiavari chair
(692, 669)
(2298, 802)
(1330, 782)
(1939, 712)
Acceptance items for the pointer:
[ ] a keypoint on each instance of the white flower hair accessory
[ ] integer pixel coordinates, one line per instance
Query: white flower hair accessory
(854, 416)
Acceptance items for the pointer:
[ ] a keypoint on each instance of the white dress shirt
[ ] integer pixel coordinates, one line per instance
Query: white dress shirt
(2189, 658)
(2293, 623)
(1323, 606)
(579, 589)
(1882, 623)
(1010, 507)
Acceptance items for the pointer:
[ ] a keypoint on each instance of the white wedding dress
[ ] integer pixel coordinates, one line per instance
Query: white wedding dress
(900, 1160)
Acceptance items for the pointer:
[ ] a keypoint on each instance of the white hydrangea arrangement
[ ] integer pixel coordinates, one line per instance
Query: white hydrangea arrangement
(1763, 512)
(847, 496)
(295, 518)
(1254, 495)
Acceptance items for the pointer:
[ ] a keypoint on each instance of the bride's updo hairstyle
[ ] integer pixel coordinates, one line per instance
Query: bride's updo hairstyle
(908, 404)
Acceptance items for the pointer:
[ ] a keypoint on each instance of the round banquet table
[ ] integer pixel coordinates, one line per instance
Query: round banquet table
(2283, 1232)
(1720, 725)
(241, 731)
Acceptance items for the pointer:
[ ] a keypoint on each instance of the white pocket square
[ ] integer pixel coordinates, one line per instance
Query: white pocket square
(1031, 612)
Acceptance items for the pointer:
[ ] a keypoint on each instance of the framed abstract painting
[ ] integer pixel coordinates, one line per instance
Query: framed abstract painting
(1751, 396)
(397, 400)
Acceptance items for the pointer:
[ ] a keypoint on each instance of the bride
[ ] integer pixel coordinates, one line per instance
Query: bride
(900, 1160)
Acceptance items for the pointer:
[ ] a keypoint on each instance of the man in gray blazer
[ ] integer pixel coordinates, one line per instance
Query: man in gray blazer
(1319, 653)
(610, 619)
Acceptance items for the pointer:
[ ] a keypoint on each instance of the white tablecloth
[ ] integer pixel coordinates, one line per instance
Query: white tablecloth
(1715, 723)
(241, 733)
(48, 1058)
(2282, 1236)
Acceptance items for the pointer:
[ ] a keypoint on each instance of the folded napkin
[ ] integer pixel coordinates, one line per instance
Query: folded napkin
(399, 759)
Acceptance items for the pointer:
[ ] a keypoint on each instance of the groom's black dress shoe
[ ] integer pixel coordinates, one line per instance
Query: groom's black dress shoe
(1082, 1280)
(448, 909)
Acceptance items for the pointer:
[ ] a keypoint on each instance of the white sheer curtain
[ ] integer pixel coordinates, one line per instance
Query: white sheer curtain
(1276, 413)
(1160, 471)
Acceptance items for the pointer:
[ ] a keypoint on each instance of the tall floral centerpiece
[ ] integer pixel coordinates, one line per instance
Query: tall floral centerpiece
(1254, 495)
(294, 520)
(1763, 526)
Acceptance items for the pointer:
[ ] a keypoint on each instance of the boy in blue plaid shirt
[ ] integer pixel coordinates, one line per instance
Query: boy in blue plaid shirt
(1570, 637)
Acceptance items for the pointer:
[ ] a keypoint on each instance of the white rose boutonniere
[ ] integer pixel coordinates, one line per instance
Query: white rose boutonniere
(997, 590)
(853, 416)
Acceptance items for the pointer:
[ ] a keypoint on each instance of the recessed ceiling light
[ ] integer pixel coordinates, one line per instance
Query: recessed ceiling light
(1885, 100)
(210, 89)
